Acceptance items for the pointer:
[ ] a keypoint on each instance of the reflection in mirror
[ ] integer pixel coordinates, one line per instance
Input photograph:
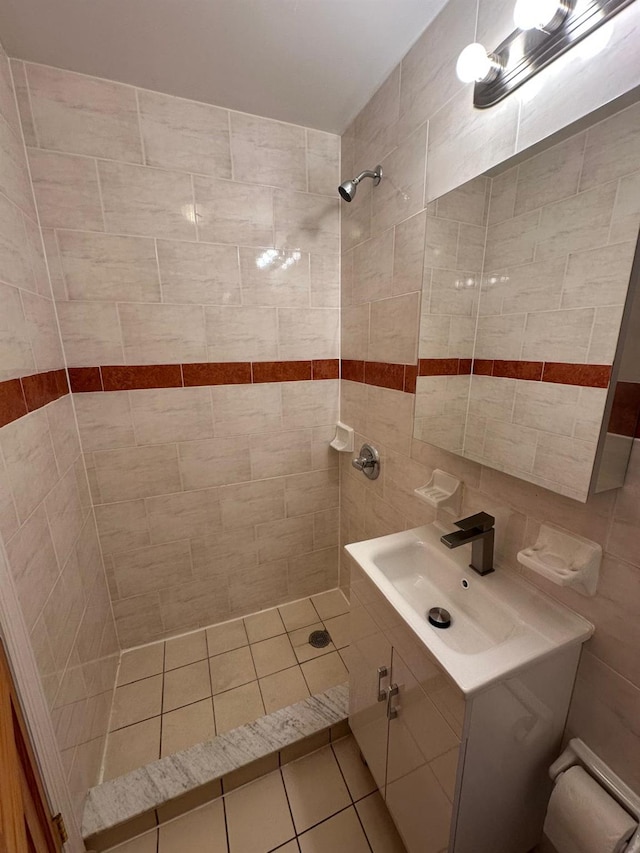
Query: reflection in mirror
(526, 278)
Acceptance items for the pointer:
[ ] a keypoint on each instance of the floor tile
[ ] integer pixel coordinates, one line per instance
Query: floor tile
(199, 830)
(356, 773)
(273, 655)
(186, 685)
(338, 628)
(185, 650)
(302, 647)
(283, 688)
(237, 707)
(315, 788)
(141, 663)
(325, 672)
(341, 834)
(225, 637)
(146, 843)
(258, 818)
(133, 747)
(378, 826)
(298, 614)
(231, 669)
(262, 626)
(289, 847)
(187, 726)
(137, 701)
(329, 604)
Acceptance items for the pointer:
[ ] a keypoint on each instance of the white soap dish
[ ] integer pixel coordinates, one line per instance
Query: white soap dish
(344, 440)
(564, 559)
(443, 491)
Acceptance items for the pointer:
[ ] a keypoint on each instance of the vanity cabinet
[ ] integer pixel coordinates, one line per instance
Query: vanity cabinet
(459, 774)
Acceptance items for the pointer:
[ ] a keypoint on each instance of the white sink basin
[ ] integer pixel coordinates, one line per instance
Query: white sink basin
(499, 623)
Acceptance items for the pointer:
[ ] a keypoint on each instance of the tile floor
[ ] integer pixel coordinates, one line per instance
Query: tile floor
(326, 802)
(186, 690)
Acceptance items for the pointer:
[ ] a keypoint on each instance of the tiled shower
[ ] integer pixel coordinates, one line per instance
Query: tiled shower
(193, 254)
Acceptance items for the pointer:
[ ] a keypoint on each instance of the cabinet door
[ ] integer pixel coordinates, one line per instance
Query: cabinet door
(369, 652)
(422, 761)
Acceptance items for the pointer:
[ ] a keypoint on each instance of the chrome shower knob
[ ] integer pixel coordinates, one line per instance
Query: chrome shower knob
(368, 462)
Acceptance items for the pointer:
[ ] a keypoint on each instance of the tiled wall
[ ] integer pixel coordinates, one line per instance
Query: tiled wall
(193, 246)
(46, 521)
(382, 233)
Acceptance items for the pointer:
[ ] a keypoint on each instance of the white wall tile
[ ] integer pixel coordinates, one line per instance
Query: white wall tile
(84, 115)
(185, 135)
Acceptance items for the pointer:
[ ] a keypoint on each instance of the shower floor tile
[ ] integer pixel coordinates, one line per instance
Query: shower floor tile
(326, 801)
(188, 689)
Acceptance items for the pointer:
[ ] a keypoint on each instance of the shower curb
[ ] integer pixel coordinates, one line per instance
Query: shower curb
(125, 806)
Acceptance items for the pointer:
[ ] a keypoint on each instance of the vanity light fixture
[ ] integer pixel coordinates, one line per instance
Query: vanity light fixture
(545, 15)
(476, 65)
(546, 29)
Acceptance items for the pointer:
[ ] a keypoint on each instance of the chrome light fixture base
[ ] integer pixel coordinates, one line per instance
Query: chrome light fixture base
(535, 49)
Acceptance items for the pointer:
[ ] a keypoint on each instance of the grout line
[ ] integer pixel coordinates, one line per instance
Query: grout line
(286, 793)
(226, 819)
(143, 150)
(353, 801)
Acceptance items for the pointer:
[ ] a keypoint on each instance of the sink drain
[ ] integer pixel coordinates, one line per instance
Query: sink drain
(319, 639)
(439, 617)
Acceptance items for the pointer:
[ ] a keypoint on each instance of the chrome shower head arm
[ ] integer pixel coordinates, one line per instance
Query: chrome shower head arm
(376, 175)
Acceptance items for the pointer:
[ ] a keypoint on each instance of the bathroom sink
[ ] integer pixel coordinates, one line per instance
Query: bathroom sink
(499, 623)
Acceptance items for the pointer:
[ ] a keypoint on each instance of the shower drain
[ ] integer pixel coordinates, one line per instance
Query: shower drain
(319, 639)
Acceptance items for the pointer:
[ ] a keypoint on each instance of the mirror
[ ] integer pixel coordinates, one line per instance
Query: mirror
(528, 354)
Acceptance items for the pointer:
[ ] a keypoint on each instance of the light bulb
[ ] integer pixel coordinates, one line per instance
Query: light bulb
(544, 15)
(476, 65)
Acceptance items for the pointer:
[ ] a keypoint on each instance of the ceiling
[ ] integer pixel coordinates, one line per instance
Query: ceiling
(310, 62)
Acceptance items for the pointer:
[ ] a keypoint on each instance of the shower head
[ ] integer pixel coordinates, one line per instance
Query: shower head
(347, 189)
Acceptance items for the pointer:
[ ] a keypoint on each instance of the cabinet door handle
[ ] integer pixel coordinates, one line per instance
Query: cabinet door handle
(392, 691)
(383, 672)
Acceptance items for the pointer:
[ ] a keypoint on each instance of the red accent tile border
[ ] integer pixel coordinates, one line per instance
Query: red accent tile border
(384, 375)
(42, 388)
(410, 378)
(216, 373)
(12, 402)
(527, 370)
(18, 397)
(585, 375)
(133, 377)
(85, 379)
(352, 370)
(281, 371)
(445, 366)
(325, 368)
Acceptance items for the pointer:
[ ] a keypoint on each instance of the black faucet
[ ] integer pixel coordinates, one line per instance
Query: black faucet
(479, 530)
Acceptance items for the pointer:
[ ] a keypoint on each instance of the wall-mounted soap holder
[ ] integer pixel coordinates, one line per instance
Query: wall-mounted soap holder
(443, 491)
(564, 559)
(344, 440)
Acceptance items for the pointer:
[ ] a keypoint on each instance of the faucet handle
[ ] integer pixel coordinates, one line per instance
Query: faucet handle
(482, 520)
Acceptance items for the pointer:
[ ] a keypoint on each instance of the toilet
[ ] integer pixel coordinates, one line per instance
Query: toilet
(591, 810)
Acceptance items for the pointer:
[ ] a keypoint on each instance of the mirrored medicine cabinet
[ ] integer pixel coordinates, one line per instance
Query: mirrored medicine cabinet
(530, 325)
